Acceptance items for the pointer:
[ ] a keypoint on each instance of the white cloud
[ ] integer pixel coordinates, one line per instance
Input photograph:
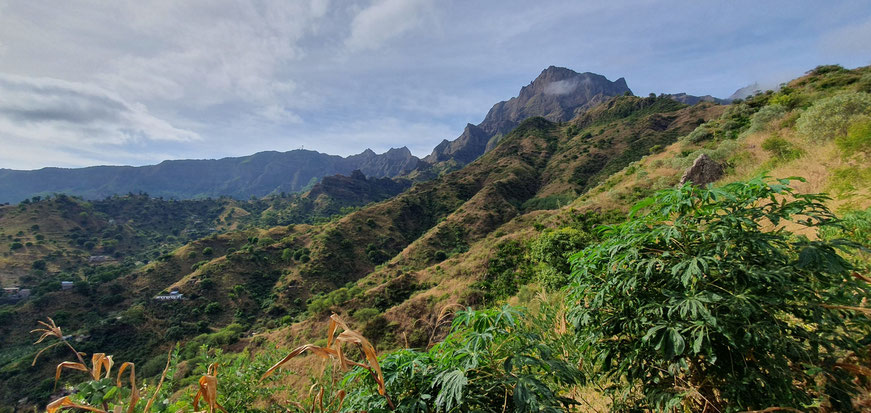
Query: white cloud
(39, 113)
(384, 20)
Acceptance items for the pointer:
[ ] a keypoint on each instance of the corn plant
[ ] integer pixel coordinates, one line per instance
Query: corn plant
(101, 393)
(334, 351)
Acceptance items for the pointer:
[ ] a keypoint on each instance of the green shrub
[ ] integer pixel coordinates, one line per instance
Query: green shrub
(830, 118)
(212, 308)
(16, 245)
(492, 361)
(551, 251)
(781, 148)
(208, 251)
(365, 314)
(695, 296)
(857, 139)
(761, 119)
(38, 265)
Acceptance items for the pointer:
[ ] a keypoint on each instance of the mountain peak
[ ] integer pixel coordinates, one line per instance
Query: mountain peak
(557, 94)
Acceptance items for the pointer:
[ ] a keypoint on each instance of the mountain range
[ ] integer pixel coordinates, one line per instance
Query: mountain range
(558, 94)
(259, 274)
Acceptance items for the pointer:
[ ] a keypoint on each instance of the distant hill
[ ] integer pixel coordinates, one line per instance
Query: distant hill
(242, 177)
(692, 100)
(557, 94)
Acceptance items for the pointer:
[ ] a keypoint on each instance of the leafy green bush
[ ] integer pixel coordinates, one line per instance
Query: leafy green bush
(507, 270)
(492, 361)
(366, 314)
(781, 148)
(551, 251)
(857, 139)
(761, 119)
(831, 117)
(692, 304)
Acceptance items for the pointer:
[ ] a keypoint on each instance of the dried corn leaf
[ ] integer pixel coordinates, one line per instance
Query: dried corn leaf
(208, 392)
(351, 336)
(134, 395)
(69, 365)
(341, 396)
(319, 351)
(65, 402)
(319, 399)
(99, 361)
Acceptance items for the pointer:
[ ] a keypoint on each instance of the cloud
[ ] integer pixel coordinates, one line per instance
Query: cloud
(56, 113)
(561, 87)
(384, 20)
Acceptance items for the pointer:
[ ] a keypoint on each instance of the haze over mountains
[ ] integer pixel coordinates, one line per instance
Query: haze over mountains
(557, 94)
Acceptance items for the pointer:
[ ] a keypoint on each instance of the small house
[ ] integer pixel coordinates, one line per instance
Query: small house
(94, 259)
(66, 285)
(173, 295)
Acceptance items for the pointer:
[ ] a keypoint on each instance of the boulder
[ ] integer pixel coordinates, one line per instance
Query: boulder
(704, 171)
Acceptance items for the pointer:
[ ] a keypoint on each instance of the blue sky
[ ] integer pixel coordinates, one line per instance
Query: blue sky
(130, 82)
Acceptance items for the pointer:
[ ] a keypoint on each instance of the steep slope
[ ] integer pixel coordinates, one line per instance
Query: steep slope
(557, 95)
(255, 175)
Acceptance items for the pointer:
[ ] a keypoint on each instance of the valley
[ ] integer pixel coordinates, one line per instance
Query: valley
(478, 244)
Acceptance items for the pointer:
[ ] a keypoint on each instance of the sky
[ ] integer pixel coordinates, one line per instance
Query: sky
(135, 82)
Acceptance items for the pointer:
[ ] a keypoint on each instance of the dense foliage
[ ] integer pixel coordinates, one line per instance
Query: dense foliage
(708, 298)
(493, 361)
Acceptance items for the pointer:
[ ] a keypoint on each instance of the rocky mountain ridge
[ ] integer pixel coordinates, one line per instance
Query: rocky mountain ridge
(558, 94)
(256, 175)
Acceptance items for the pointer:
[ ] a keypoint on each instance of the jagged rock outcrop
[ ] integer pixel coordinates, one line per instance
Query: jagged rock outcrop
(692, 100)
(394, 162)
(704, 171)
(466, 148)
(557, 94)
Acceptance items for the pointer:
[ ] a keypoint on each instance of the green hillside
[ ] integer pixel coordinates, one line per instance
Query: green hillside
(500, 238)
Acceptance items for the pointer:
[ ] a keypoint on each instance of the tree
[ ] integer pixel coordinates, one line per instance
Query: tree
(705, 299)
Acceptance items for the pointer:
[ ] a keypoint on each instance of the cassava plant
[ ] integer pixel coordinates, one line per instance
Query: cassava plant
(722, 299)
(496, 360)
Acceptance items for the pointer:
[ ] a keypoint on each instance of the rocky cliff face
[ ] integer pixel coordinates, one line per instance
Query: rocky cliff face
(557, 94)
